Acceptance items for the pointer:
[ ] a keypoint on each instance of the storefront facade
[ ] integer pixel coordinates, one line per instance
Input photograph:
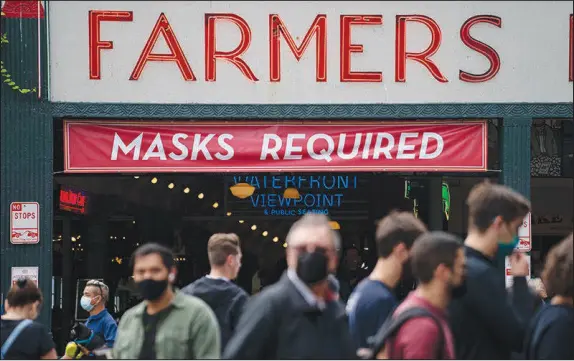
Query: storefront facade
(240, 62)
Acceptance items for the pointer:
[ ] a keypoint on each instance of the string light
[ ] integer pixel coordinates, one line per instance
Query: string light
(228, 214)
(241, 221)
(285, 245)
(171, 185)
(254, 227)
(215, 205)
(186, 190)
(275, 239)
(265, 233)
(154, 180)
(136, 176)
(200, 195)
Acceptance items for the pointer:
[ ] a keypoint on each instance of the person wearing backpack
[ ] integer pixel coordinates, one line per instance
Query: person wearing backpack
(419, 329)
(22, 337)
(550, 334)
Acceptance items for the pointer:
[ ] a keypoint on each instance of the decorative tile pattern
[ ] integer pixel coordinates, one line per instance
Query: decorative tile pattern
(308, 111)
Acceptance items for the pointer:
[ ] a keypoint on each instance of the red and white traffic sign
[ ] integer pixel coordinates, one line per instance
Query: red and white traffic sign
(25, 272)
(525, 235)
(508, 272)
(24, 223)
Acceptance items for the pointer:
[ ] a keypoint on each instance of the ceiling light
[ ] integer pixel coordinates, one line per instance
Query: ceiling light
(228, 214)
(265, 233)
(136, 176)
(275, 239)
(200, 195)
(215, 205)
(241, 221)
(171, 185)
(186, 190)
(253, 227)
(154, 180)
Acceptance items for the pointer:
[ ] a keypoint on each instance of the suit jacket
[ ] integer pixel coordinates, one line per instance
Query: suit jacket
(279, 323)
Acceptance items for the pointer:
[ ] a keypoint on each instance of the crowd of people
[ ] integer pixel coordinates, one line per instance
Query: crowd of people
(460, 308)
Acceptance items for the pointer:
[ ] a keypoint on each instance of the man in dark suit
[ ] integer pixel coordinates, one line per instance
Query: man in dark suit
(299, 317)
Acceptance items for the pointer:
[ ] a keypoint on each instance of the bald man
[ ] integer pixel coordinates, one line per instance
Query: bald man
(298, 317)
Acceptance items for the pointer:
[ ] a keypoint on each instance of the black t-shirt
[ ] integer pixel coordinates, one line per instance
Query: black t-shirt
(150, 323)
(32, 343)
(550, 334)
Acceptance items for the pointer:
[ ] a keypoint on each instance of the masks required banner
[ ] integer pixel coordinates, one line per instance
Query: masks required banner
(310, 146)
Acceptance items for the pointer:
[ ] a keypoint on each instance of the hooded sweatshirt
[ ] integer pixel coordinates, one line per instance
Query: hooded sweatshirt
(225, 298)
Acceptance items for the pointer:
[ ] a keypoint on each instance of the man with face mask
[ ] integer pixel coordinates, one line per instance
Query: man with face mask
(438, 264)
(298, 317)
(487, 321)
(167, 324)
(94, 299)
(224, 297)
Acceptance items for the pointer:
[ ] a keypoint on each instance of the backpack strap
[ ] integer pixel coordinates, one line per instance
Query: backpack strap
(13, 336)
(394, 323)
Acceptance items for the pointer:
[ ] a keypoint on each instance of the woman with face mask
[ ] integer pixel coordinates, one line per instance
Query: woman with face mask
(22, 337)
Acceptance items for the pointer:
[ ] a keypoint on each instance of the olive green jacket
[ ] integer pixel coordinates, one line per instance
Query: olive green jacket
(188, 331)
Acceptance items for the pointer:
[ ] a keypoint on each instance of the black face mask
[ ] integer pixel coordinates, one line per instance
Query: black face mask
(312, 267)
(150, 289)
(458, 291)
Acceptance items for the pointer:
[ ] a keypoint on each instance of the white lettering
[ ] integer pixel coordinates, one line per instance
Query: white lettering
(424, 145)
(367, 148)
(152, 152)
(135, 145)
(184, 152)
(265, 150)
(403, 146)
(221, 141)
(290, 148)
(385, 150)
(340, 150)
(324, 154)
(201, 145)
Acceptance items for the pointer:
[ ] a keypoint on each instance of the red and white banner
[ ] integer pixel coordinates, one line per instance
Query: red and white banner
(119, 146)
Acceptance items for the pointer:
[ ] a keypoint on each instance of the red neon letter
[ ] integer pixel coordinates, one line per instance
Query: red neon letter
(233, 56)
(277, 27)
(176, 53)
(422, 57)
(481, 48)
(571, 57)
(95, 17)
(347, 48)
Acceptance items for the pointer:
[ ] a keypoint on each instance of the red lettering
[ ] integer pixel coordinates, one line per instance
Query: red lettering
(347, 75)
(481, 48)
(571, 58)
(233, 56)
(176, 54)
(401, 55)
(277, 27)
(95, 17)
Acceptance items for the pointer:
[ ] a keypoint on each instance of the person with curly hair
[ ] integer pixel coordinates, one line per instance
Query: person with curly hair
(552, 329)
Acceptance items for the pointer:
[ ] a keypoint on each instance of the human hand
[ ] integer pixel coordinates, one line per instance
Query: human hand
(519, 265)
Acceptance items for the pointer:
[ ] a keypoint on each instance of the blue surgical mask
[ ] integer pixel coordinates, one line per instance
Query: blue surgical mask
(506, 249)
(86, 303)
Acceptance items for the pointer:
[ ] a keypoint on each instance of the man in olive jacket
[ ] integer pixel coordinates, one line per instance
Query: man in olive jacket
(167, 324)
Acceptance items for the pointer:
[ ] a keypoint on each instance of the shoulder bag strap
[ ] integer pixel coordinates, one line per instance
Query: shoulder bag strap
(13, 336)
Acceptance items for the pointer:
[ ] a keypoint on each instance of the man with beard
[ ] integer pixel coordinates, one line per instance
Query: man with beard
(167, 324)
(489, 323)
(373, 300)
(298, 317)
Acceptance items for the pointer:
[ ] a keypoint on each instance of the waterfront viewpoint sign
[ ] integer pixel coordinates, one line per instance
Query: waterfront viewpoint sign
(267, 52)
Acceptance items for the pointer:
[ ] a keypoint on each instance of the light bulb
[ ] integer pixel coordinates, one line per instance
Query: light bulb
(215, 205)
(228, 214)
(154, 180)
(275, 239)
(171, 185)
(186, 190)
(241, 221)
(136, 176)
(285, 245)
(265, 233)
(200, 196)
(253, 227)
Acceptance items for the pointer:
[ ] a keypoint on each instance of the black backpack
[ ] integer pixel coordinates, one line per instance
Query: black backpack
(392, 326)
